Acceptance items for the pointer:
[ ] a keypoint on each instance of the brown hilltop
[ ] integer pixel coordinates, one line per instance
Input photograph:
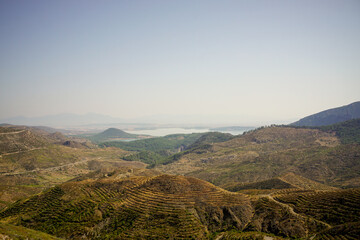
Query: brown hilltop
(13, 140)
(171, 184)
(303, 183)
(286, 181)
(18, 139)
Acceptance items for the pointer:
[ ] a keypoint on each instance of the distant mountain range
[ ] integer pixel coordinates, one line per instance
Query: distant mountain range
(99, 121)
(63, 120)
(331, 116)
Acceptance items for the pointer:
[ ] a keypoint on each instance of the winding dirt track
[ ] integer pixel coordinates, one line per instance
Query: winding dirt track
(47, 169)
(291, 209)
(6, 133)
(10, 133)
(23, 151)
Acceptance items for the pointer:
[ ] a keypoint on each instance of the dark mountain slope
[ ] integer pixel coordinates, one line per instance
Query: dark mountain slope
(331, 116)
(348, 131)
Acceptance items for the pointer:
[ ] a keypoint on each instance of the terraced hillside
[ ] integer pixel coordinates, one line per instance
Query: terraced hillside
(339, 208)
(332, 207)
(145, 204)
(65, 164)
(272, 216)
(271, 152)
(133, 208)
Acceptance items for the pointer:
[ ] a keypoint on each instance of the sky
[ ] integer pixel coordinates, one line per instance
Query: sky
(236, 61)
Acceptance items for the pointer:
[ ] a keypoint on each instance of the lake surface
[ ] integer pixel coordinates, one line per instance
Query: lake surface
(160, 132)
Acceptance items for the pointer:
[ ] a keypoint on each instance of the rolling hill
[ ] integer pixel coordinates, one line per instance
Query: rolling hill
(85, 193)
(13, 140)
(278, 182)
(286, 181)
(32, 160)
(331, 116)
(161, 150)
(145, 204)
(271, 152)
(210, 138)
(112, 134)
(133, 208)
(23, 138)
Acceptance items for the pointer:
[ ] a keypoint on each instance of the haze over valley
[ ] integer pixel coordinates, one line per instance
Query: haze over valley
(180, 120)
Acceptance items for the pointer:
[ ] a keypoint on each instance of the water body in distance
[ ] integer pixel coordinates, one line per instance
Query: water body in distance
(160, 132)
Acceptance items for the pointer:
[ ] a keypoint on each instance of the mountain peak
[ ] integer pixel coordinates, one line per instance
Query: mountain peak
(112, 134)
(331, 116)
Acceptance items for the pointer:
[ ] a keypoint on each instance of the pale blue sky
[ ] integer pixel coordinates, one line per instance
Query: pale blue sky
(241, 60)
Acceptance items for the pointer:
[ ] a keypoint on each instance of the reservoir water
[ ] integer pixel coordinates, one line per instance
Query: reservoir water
(160, 132)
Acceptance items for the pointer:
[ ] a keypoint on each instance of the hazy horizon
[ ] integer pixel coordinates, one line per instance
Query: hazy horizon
(93, 119)
(218, 61)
